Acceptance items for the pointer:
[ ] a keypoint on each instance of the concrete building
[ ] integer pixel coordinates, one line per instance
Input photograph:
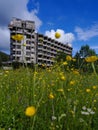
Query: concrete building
(34, 47)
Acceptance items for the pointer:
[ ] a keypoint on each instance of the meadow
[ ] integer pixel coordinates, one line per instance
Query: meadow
(52, 98)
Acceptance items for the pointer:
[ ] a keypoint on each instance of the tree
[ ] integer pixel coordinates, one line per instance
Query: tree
(78, 60)
(80, 56)
(3, 57)
(85, 51)
(61, 56)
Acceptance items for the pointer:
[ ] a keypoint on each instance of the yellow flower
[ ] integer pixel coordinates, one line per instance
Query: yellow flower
(61, 73)
(73, 59)
(69, 89)
(57, 35)
(94, 87)
(68, 58)
(76, 72)
(51, 96)
(6, 71)
(49, 70)
(63, 78)
(88, 90)
(30, 111)
(72, 82)
(65, 63)
(43, 65)
(18, 37)
(60, 90)
(95, 101)
(91, 58)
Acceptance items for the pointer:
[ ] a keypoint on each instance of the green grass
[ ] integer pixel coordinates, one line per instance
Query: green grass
(73, 106)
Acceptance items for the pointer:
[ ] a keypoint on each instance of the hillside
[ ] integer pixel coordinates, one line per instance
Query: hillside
(3, 57)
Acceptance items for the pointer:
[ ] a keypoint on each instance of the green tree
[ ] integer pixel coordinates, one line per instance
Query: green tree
(80, 56)
(85, 51)
(61, 56)
(3, 57)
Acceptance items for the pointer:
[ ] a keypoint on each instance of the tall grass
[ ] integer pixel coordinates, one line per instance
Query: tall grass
(64, 100)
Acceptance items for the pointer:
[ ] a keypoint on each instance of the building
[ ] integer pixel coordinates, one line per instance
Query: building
(34, 47)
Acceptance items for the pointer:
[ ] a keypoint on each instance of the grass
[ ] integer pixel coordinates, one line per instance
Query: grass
(64, 100)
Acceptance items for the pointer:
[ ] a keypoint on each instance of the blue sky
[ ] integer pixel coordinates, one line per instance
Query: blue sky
(76, 20)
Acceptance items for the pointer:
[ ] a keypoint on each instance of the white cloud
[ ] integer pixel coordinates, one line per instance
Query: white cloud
(94, 47)
(18, 9)
(65, 37)
(86, 34)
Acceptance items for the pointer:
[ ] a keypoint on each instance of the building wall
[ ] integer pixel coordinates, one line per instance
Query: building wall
(48, 49)
(24, 50)
(34, 47)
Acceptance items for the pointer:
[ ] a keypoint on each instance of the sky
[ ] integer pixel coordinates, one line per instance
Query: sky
(75, 20)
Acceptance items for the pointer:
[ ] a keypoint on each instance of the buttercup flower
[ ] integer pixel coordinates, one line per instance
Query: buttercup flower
(95, 101)
(68, 58)
(57, 35)
(60, 90)
(65, 63)
(94, 87)
(91, 59)
(88, 90)
(76, 72)
(63, 78)
(72, 82)
(30, 111)
(73, 59)
(51, 96)
(18, 37)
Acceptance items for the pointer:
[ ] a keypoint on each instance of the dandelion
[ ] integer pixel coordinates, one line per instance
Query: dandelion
(88, 90)
(30, 111)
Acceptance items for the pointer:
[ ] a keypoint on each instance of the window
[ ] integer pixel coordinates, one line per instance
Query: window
(28, 53)
(28, 47)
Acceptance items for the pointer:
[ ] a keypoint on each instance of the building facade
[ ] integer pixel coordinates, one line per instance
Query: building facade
(34, 47)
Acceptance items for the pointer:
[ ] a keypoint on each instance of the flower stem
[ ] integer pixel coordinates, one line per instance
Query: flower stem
(93, 66)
